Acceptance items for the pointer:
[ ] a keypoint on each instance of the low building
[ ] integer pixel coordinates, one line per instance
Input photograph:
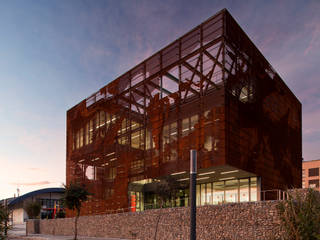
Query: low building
(310, 174)
(49, 199)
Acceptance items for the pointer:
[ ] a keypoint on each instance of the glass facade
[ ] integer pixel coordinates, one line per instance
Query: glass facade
(211, 193)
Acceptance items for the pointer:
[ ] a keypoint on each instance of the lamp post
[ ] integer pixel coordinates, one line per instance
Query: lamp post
(193, 179)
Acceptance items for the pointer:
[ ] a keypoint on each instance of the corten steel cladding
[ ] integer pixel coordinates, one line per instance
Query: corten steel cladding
(211, 90)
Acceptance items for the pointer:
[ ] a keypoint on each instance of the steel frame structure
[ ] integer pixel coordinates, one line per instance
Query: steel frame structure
(210, 90)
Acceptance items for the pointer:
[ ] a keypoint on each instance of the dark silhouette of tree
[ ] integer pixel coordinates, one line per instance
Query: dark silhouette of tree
(74, 195)
(167, 189)
(33, 209)
(4, 219)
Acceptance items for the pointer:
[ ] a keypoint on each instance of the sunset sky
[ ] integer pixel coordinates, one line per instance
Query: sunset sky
(54, 53)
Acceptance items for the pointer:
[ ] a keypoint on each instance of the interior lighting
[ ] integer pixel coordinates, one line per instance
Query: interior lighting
(82, 160)
(206, 173)
(112, 159)
(183, 179)
(233, 171)
(202, 178)
(110, 154)
(178, 173)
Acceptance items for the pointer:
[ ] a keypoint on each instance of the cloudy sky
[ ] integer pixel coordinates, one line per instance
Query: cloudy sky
(55, 53)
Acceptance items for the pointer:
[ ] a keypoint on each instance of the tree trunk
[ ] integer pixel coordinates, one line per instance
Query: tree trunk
(76, 225)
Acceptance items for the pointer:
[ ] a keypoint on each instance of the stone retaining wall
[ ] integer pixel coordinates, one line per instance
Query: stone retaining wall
(245, 221)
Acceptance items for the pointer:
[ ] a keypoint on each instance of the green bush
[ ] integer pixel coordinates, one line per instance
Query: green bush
(300, 215)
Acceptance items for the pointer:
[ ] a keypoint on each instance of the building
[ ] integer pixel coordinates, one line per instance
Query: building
(310, 174)
(49, 199)
(210, 90)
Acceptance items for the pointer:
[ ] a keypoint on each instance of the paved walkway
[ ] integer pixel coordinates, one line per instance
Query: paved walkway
(52, 237)
(19, 232)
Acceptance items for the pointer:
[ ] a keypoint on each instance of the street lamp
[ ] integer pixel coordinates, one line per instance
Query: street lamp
(193, 179)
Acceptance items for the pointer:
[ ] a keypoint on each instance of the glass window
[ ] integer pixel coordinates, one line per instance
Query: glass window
(303, 173)
(185, 127)
(102, 123)
(209, 193)
(123, 129)
(108, 120)
(203, 194)
(77, 139)
(208, 143)
(231, 188)
(194, 121)
(112, 173)
(81, 137)
(97, 121)
(165, 135)
(244, 190)
(218, 192)
(198, 194)
(91, 131)
(135, 140)
(87, 134)
(314, 183)
(134, 125)
(253, 189)
(73, 139)
(313, 172)
(148, 140)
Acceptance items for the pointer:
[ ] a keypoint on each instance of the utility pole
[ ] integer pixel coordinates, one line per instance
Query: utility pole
(193, 180)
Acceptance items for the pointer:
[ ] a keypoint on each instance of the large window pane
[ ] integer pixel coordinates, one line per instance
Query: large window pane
(203, 194)
(313, 172)
(218, 192)
(198, 195)
(231, 190)
(314, 183)
(244, 190)
(209, 193)
(185, 127)
(253, 189)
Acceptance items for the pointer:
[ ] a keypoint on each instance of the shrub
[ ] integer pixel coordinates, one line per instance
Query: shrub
(300, 215)
(33, 209)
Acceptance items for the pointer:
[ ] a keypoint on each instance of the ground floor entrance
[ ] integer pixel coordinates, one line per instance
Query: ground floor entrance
(229, 190)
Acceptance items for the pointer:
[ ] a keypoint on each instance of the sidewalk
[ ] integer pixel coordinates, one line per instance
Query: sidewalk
(18, 232)
(51, 237)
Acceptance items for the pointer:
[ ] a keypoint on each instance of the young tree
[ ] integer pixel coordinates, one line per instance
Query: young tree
(33, 209)
(74, 195)
(4, 219)
(167, 190)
